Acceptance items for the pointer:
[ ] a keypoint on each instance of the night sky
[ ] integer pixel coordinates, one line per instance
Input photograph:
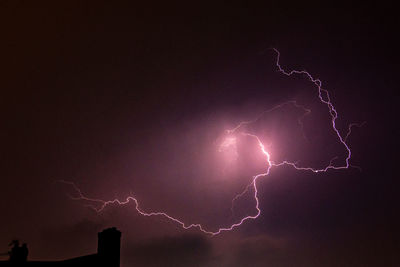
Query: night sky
(134, 98)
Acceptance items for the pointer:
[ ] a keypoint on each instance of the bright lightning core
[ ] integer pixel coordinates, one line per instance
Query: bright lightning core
(229, 146)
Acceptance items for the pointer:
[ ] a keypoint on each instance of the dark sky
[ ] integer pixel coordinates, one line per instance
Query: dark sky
(126, 97)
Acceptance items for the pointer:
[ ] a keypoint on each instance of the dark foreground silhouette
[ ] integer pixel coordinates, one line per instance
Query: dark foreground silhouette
(108, 253)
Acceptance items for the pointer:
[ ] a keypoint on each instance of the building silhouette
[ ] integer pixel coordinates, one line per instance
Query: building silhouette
(108, 254)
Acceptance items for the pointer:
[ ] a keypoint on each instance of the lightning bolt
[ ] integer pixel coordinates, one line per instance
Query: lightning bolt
(323, 95)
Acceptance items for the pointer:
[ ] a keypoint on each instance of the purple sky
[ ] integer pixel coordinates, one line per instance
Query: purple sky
(134, 99)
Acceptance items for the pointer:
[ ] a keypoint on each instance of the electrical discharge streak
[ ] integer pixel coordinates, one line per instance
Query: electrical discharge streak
(324, 98)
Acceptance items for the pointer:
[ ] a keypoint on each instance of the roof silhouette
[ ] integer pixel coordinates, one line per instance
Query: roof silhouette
(108, 254)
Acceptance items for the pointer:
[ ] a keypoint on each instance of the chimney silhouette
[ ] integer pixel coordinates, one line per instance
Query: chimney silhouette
(108, 248)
